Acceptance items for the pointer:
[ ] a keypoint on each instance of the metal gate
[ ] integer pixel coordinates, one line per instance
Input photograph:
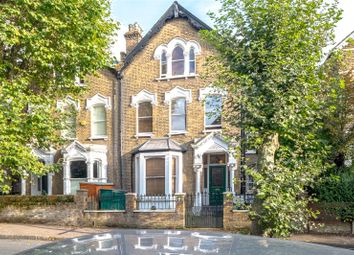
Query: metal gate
(203, 212)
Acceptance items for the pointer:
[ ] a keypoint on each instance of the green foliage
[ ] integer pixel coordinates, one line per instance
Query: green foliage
(268, 61)
(339, 125)
(44, 45)
(34, 201)
(336, 193)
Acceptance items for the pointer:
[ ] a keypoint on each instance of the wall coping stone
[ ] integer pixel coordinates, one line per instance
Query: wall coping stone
(104, 211)
(155, 211)
(241, 211)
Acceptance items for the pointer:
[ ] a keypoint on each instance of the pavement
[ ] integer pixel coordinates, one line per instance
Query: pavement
(44, 232)
(51, 233)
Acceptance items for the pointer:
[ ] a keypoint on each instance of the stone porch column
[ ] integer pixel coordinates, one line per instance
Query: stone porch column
(23, 187)
(66, 170)
(232, 169)
(50, 183)
(198, 171)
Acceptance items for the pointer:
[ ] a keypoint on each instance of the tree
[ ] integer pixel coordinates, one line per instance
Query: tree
(45, 45)
(268, 60)
(339, 125)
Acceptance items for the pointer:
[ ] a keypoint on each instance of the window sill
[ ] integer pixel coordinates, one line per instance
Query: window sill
(212, 130)
(98, 138)
(142, 135)
(178, 133)
(177, 77)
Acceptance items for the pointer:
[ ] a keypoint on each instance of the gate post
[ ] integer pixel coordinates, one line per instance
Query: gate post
(180, 208)
(130, 202)
(228, 204)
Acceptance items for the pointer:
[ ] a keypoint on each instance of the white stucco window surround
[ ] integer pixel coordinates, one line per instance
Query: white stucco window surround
(166, 55)
(212, 98)
(89, 155)
(67, 102)
(144, 116)
(72, 106)
(98, 106)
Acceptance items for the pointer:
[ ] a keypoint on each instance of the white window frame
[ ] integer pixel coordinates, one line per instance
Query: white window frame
(142, 97)
(168, 48)
(98, 100)
(177, 92)
(62, 105)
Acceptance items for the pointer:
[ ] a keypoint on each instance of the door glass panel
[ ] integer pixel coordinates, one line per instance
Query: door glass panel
(217, 159)
(217, 177)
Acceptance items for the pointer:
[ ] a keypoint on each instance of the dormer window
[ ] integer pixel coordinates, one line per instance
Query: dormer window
(177, 61)
(177, 58)
(191, 61)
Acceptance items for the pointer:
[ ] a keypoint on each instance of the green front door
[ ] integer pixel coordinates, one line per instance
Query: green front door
(217, 183)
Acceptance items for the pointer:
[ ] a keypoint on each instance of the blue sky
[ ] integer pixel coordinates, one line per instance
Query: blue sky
(147, 12)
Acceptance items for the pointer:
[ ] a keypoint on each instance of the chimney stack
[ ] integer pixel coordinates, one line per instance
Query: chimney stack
(133, 36)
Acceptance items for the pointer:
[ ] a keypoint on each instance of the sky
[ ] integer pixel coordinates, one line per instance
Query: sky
(147, 12)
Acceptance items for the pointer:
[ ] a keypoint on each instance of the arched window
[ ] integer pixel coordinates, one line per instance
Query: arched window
(99, 121)
(163, 64)
(145, 117)
(191, 61)
(177, 61)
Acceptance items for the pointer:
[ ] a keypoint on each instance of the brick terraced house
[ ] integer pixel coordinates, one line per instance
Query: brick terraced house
(171, 121)
(91, 154)
(152, 125)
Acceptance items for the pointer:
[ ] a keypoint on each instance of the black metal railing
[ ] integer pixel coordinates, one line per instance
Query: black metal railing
(155, 202)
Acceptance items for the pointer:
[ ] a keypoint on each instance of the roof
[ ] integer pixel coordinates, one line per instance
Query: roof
(175, 11)
(160, 144)
(340, 44)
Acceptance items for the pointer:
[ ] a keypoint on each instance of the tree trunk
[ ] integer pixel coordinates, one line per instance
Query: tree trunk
(265, 162)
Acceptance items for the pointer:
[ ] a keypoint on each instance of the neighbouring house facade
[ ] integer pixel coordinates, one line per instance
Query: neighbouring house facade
(151, 126)
(171, 139)
(91, 153)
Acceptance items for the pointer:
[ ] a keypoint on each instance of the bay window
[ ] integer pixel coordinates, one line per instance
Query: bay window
(155, 176)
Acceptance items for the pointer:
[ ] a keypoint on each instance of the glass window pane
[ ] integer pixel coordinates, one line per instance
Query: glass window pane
(96, 168)
(99, 128)
(217, 159)
(155, 167)
(163, 57)
(99, 113)
(155, 186)
(213, 107)
(178, 106)
(177, 53)
(179, 122)
(145, 125)
(191, 54)
(178, 67)
(78, 169)
(145, 109)
(192, 67)
(164, 68)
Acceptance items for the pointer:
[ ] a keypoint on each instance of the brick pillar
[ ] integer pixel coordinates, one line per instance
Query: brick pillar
(180, 209)
(227, 209)
(130, 202)
(81, 199)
